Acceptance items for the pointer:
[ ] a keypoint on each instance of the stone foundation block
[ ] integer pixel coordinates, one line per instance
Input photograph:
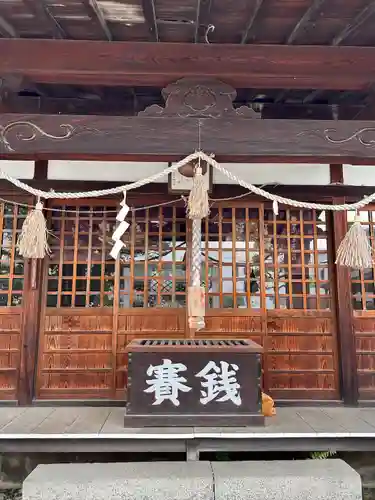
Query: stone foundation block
(121, 481)
(286, 480)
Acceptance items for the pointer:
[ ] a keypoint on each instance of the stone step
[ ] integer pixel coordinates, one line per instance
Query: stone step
(286, 480)
(277, 480)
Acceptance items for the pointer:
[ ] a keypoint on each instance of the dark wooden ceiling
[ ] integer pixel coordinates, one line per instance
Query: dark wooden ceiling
(279, 22)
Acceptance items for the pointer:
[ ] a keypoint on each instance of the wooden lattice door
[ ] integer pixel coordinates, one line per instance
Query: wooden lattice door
(12, 299)
(268, 277)
(363, 311)
(93, 306)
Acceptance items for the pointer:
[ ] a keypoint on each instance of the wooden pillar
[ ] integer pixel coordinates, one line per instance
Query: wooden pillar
(33, 286)
(30, 329)
(344, 310)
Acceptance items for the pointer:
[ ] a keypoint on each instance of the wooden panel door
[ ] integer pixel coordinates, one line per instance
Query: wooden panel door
(12, 291)
(268, 278)
(93, 306)
(152, 282)
(76, 354)
(363, 301)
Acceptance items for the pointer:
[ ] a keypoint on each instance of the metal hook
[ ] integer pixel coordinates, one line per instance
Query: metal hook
(210, 28)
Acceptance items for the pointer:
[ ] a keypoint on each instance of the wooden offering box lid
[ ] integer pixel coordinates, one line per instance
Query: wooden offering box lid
(186, 345)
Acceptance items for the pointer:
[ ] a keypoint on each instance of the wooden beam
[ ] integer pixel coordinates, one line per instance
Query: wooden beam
(95, 12)
(354, 25)
(150, 64)
(149, 11)
(256, 5)
(41, 10)
(310, 13)
(6, 29)
(41, 170)
(55, 105)
(54, 136)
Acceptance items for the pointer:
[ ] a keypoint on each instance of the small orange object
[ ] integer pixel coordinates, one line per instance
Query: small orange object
(268, 405)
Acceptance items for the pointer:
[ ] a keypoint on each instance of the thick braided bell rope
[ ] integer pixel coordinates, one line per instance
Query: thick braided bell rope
(196, 262)
(198, 154)
(196, 253)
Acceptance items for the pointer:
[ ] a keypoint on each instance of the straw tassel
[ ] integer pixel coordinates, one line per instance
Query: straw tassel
(32, 242)
(355, 250)
(198, 206)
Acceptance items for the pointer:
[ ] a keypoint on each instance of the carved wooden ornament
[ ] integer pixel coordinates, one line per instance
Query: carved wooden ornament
(199, 98)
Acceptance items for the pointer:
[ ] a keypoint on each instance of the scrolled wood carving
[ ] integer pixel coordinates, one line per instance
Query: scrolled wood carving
(28, 131)
(361, 135)
(199, 98)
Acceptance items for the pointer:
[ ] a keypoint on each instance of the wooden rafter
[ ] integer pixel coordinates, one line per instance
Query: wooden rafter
(354, 25)
(202, 16)
(40, 9)
(349, 29)
(305, 19)
(309, 14)
(150, 64)
(281, 96)
(95, 12)
(6, 29)
(149, 11)
(257, 4)
(312, 96)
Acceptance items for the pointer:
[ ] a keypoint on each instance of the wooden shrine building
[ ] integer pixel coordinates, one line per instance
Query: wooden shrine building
(97, 93)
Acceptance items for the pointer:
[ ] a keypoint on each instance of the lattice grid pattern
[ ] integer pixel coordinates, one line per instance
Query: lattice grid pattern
(11, 264)
(80, 270)
(254, 259)
(153, 268)
(251, 259)
(363, 282)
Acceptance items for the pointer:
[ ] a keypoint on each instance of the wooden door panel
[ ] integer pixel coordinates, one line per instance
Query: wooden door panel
(364, 331)
(144, 323)
(10, 352)
(266, 278)
(296, 365)
(75, 355)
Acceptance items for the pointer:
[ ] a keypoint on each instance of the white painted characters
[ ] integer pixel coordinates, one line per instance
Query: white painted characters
(219, 382)
(166, 382)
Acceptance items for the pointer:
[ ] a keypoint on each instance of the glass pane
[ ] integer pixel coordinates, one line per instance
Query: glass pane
(53, 285)
(16, 300)
(17, 284)
(66, 300)
(80, 301)
(18, 268)
(108, 301)
(94, 301)
(51, 300)
(4, 284)
(80, 285)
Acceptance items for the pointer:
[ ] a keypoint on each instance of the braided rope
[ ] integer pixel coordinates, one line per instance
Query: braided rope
(196, 252)
(198, 154)
(100, 192)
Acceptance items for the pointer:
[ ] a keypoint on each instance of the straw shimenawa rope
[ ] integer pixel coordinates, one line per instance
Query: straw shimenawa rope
(353, 251)
(32, 242)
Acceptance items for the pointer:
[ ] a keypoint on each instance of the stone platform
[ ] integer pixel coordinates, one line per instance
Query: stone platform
(101, 429)
(284, 480)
